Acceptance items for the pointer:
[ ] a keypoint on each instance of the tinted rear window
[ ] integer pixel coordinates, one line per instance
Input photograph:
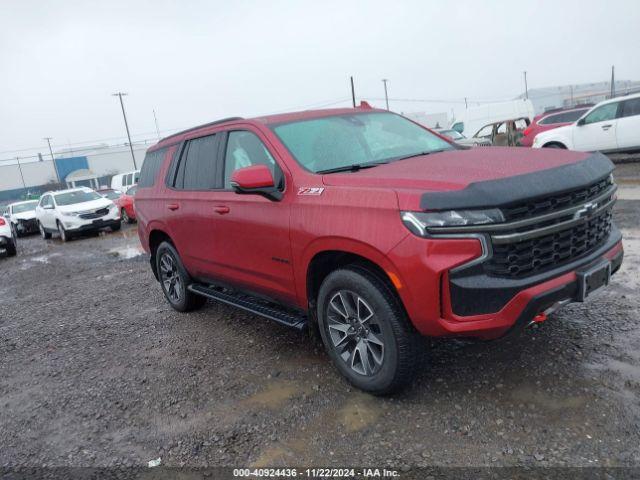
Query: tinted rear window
(198, 167)
(151, 167)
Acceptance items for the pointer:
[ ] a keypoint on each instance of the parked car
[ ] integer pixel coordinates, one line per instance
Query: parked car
(70, 212)
(549, 121)
(450, 134)
(371, 230)
(611, 126)
(7, 238)
(122, 181)
(505, 133)
(22, 217)
(475, 117)
(110, 193)
(125, 204)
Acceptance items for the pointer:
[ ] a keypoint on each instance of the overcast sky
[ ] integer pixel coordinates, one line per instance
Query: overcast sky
(196, 61)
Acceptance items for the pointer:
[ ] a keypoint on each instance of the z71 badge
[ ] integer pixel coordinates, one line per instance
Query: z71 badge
(310, 190)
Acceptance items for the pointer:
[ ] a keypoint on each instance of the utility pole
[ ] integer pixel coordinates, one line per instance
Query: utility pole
(465, 103)
(386, 96)
(155, 118)
(571, 89)
(613, 82)
(24, 185)
(55, 167)
(353, 94)
(526, 88)
(126, 125)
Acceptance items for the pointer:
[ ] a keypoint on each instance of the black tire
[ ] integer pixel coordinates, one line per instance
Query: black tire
(43, 233)
(11, 248)
(64, 235)
(174, 280)
(389, 367)
(555, 145)
(116, 227)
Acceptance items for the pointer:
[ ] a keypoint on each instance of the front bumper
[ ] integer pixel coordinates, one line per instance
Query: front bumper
(77, 224)
(423, 269)
(27, 226)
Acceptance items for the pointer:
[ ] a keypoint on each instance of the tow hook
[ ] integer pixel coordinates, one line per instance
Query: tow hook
(539, 318)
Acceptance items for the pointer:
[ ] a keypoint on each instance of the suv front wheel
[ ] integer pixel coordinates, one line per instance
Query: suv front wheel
(365, 331)
(174, 280)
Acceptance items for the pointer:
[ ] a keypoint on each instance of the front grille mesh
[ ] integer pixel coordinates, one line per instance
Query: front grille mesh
(533, 256)
(97, 214)
(552, 203)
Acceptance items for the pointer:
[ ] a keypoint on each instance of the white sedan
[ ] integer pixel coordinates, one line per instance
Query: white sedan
(69, 212)
(7, 239)
(610, 126)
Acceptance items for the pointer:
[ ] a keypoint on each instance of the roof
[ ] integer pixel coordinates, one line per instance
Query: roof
(20, 203)
(80, 174)
(268, 120)
(67, 190)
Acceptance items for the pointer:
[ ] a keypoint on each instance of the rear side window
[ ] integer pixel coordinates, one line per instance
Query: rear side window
(151, 167)
(631, 107)
(551, 119)
(199, 168)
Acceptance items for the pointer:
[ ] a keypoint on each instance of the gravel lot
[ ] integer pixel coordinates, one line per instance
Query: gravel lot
(97, 370)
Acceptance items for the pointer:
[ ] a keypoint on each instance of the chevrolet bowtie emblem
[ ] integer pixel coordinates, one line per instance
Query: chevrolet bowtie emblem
(586, 210)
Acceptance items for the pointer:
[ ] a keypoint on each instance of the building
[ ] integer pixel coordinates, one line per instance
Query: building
(87, 166)
(544, 99)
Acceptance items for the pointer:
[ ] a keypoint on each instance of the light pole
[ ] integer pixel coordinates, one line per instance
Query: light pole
(526, 89)
(24, 185)
(126, 125)
(55, 167)
(386, 95)
(155, 119)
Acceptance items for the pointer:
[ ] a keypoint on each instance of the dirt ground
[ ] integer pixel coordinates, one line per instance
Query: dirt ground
(97, 370)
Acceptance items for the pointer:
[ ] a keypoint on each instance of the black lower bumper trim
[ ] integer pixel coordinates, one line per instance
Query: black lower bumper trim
(473, 292)
(92, 227)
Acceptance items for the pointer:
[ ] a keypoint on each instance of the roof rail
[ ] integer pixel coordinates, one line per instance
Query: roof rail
(223, 120)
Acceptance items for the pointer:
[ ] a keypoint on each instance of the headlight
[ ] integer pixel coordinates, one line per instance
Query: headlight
(70, 214)
(420, 222)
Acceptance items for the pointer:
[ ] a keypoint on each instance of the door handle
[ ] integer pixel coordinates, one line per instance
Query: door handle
(221, 209)
(606, 127)
(173, 206)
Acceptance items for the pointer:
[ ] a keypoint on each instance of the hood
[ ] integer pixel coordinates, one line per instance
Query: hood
(455, 169)
(479, 177)
(24, 215)
(86, 206)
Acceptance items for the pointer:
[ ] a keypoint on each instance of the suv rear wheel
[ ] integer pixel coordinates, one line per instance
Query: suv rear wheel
(365, 331)
(174, 280)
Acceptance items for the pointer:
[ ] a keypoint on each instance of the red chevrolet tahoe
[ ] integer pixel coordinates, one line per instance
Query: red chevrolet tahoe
(372, 230)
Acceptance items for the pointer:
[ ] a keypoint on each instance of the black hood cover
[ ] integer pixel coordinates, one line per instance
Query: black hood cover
(529, 186)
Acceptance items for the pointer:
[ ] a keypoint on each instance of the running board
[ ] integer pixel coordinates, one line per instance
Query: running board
(253, 305)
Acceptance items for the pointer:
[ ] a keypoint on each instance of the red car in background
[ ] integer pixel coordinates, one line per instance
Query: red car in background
(125, 204)
(549, 120)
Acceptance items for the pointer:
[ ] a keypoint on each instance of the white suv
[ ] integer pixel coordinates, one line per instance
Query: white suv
(7, 239)
(610, 126)
(69, 212)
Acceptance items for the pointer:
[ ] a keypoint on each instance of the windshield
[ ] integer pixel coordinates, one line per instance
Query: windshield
(24, 207)
(364, 138)
(77, 196)
(111, 194)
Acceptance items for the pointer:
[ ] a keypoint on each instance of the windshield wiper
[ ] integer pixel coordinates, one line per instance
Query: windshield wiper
(350, 168)
(420, 154)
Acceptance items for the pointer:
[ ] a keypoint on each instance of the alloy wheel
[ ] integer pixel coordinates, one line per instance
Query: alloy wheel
(171, 278)
(355, 333)
(125, 217)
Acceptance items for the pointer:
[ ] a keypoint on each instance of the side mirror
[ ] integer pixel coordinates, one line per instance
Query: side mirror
(580, 122)
(256, 179)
